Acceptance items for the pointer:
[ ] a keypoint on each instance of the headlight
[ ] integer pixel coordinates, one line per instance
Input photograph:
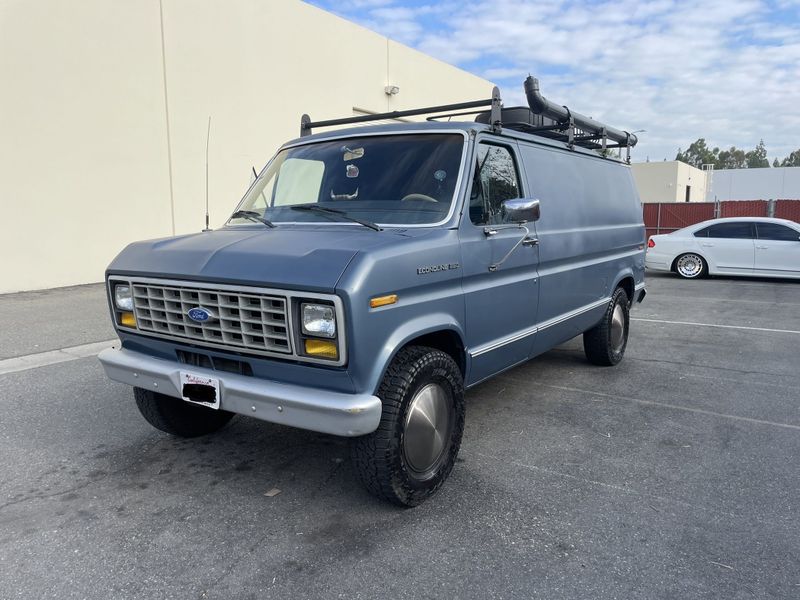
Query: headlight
(122, 297)
(319, 320)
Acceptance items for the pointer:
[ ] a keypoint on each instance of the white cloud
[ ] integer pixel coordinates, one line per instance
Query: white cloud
(360, 4)
(726, 70)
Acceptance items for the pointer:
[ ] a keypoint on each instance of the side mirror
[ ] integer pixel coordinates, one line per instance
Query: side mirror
(520, 210)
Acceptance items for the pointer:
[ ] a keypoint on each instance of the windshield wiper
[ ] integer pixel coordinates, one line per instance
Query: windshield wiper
(334, 211)
(252, 215)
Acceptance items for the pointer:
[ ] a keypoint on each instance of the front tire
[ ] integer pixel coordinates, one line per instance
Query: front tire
(178, 417)
(605, 343)
(690, 266)
(413, 450)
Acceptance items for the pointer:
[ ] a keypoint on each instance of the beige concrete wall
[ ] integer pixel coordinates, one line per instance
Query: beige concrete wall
(83, 151)
(667, 181)
(104, 134)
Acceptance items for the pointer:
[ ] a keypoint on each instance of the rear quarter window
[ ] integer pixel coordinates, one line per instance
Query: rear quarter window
(773, 231)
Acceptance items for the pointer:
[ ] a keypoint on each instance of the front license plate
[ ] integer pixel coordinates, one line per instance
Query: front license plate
(200, 389)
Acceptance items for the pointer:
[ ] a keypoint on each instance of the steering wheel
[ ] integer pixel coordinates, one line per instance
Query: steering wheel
(422, 197)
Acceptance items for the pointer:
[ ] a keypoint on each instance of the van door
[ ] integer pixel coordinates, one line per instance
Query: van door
(501, 301)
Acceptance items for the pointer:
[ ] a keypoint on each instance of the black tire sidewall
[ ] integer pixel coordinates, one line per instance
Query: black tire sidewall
(178, 417)
(432, 373)
(438, 369)
(620, 298)
(378, 457)
(597, 342)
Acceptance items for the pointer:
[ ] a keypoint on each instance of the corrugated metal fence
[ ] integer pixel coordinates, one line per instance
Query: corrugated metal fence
(667, 217)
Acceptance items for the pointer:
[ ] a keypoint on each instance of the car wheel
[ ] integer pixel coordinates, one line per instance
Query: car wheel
(690, 266)
(178, 417)
(605, 343)
(413, 450)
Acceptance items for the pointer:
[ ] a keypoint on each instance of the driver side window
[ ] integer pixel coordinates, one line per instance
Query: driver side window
(494, 180)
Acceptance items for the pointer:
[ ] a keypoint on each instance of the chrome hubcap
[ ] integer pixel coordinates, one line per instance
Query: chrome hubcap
(427, 430)
(617, 328)
(690, 265)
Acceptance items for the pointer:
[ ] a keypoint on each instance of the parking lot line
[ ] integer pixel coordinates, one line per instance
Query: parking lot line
(765, 329)
(42, 359)
(740, 301)
(701, 411)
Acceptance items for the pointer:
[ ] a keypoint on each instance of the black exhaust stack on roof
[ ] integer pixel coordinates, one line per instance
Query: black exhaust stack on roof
(590, 128)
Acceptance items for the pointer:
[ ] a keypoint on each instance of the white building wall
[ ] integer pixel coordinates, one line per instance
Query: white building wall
(105, 105)
(667, 181)
(776, 183)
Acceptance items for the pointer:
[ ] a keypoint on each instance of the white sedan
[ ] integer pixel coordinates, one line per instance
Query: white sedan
(754, 246)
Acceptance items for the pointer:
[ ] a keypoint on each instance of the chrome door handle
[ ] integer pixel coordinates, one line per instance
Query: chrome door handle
(762, 247)
(530, 241)
(707, 245)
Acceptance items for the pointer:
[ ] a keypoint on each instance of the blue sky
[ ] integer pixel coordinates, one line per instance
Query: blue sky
(726, 70)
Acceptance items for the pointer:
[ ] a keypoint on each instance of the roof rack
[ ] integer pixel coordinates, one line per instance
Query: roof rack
(306, 124)
(542, 117)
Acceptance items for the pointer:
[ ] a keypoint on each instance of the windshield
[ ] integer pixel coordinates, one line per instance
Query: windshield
(392, 179)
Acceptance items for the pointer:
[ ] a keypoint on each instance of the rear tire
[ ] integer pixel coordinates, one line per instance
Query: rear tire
(605, 343)
(178, 417)
(691, 266)
(413, 450)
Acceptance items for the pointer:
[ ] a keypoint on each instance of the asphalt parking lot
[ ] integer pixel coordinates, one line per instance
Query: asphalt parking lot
(673, 475)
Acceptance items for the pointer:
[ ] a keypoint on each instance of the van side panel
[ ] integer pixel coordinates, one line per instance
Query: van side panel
(591, 235)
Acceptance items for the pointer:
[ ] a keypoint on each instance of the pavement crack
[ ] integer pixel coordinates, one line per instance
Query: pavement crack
(678, 363)
(664, 405)
(71, 490)
(738, 371)
(80, 486)
(627, 490)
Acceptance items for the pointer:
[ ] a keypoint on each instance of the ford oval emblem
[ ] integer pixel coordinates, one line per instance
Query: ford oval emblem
(200, 314)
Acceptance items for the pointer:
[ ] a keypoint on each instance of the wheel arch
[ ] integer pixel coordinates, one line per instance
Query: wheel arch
(446, 340)
(628, 284)
(626, 281)
(433, 331)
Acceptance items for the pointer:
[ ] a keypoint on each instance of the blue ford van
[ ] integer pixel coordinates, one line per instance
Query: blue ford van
(370, 275)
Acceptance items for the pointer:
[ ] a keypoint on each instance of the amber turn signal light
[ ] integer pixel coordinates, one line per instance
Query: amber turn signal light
(383, 300)
(127, 319)
(321, 348)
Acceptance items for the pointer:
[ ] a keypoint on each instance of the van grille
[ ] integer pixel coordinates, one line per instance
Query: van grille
(240, 320)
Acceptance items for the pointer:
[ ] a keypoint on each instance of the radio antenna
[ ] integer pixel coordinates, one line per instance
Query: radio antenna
(208, 139)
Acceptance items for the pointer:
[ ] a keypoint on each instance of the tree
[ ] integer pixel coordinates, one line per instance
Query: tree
(732, 159)
(776, 163)
(757, 158)
(698, 154)
(793, 160)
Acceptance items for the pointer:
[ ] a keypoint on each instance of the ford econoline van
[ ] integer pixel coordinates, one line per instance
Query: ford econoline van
(370, 275)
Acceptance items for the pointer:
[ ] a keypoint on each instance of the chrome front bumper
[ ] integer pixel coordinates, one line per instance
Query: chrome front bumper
(307, 408)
